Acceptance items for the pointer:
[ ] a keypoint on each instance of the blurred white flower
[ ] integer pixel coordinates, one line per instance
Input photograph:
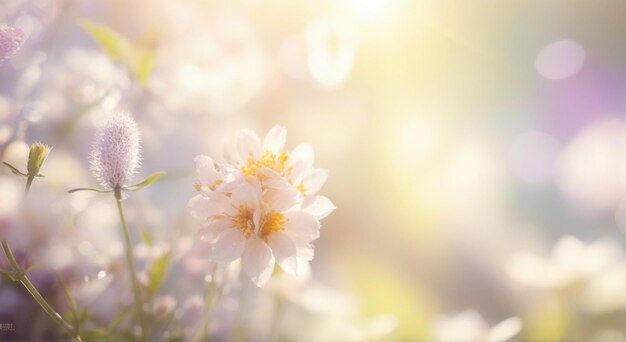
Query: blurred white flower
(163, 306)
(316, 312)
(470, 326)
(259, 205)
(331, 50)
(605, 293)
(599, 188)
(11, 39)
(570, 263)
(115, 154)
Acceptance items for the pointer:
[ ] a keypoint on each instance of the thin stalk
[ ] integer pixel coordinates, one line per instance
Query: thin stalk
(275, 328)
(23, 279)
(211, 299)
(29, 182)
(131, 266)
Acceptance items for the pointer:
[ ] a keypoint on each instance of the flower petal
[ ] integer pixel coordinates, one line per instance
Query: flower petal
(258, 261)
(313, 180)
(305, 251)
(275, 139)
(285, 252)
(223, 203)
(212, 230)
(248, 146)
(304, 153)
(205, 167)
(228, 246)
(247, 195)
(271, 178)
(318, 206)
(504, 330)
(302, 225)
(281, 200)
(202, 207)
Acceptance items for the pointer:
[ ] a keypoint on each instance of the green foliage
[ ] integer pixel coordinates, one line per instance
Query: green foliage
(144, 183)
(139, 60)
(14, 169)
(157, 273)
(88, 189)
(146, 236)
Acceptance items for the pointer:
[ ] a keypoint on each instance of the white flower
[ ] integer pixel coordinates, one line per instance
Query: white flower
(115, 153)
(11, 39)
(470, 326)
(260, 206)
(261, 227)
(277, 167)
(571, 262)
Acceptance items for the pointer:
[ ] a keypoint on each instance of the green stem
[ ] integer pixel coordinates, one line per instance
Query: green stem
(29, 182)
(23, 279)
(211, 299)
(131, 266)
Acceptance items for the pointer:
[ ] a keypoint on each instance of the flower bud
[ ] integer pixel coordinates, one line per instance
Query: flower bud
(36, 157)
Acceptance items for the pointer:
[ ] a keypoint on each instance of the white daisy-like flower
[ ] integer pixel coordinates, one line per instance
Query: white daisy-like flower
(277, 167)
(263, 227)
(115, 154)
(258, 208)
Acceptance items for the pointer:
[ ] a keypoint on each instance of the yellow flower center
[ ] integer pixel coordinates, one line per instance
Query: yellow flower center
(198, 186)
(272, 222)
(270, 160)
(244, 221)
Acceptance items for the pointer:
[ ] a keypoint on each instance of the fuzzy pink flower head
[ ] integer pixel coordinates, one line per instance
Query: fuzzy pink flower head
(11, 39)
(116, 149)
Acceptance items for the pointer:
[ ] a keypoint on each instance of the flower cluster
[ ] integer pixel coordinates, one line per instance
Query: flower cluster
(260, 204)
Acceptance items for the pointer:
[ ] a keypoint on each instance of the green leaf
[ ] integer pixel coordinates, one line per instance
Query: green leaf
(146, 236)
(94, 334)
(149, 180)
(118, 47)
(143, 65)
(88, 189)
(157, 272)
(139, 60)
(84, 315)
(14, 169)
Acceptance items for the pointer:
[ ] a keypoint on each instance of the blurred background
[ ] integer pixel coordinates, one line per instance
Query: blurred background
(477, 152)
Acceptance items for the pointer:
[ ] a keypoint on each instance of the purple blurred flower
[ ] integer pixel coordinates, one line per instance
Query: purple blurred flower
(11, 39)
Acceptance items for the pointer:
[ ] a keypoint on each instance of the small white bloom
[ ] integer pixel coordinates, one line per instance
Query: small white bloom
(271, 163)
(571, 262)
(115, 154)
(470, 326)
